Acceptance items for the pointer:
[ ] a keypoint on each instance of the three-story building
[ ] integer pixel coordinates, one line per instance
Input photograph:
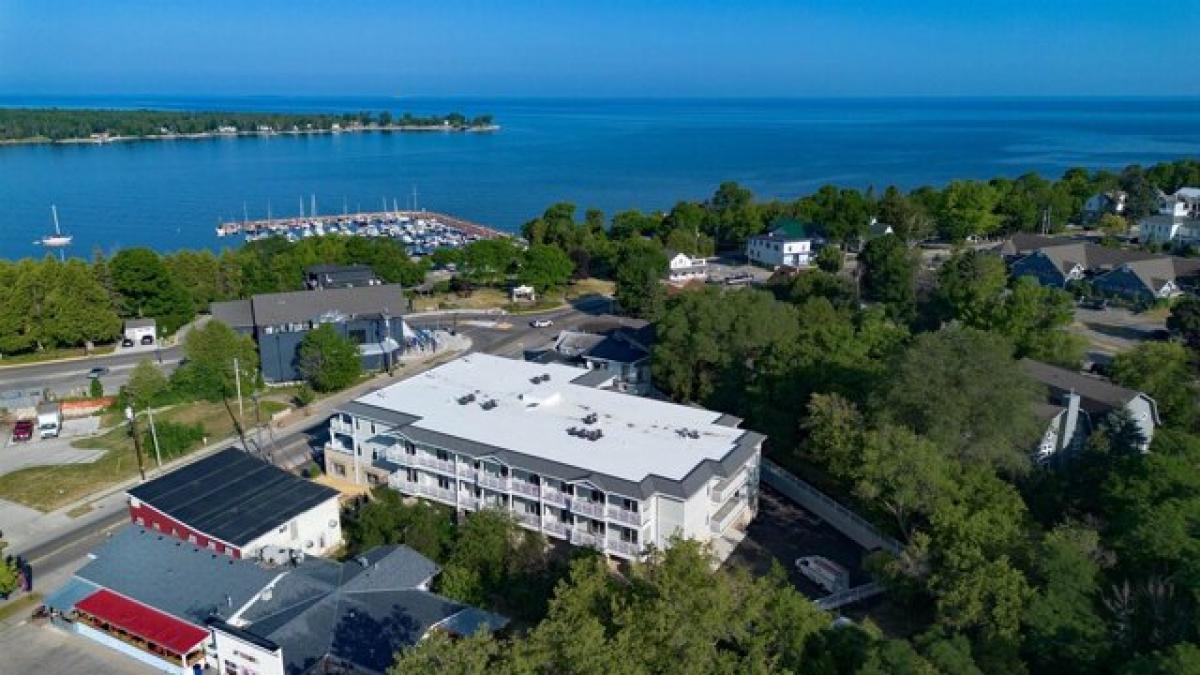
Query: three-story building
(589, 466)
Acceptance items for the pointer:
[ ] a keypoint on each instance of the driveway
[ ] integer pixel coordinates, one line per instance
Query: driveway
(49, 651)
(782, 532)
(50, 451)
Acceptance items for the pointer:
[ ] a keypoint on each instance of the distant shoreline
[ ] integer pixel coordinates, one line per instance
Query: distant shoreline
(102, 139)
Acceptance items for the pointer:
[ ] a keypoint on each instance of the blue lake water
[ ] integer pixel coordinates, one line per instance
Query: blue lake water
(609, 154)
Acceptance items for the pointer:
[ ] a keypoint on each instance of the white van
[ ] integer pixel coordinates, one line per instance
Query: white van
(49, 419)
(824, 572)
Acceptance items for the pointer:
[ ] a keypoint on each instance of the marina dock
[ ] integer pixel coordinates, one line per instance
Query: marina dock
(421, 232)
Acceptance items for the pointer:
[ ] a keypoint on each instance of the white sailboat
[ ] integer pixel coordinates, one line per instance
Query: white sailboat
(58, 239)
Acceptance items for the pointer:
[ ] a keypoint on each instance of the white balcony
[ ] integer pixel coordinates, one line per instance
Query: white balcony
(531, 519)
(556, 528)
(588, 508)
(491, 480)
(725, 516)
(431, 462)
(626, 517)
(556, 497)
(721, 491)
(524, 488)
(624, 549)
(337, 426)
(582, 538)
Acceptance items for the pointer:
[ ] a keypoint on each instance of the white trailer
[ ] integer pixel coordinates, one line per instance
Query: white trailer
(49, 419)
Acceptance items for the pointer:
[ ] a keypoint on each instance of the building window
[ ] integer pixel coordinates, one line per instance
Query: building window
(339, 470)
(358, 336)
(191, 539)
(443, 456)
(141, 521)
(372, 428)
(628, 536)
(372, 479)
(443, 482)
(409, 448)
(410, 475)
(157, 528)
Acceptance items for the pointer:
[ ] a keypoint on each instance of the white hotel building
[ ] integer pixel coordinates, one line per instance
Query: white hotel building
(590, 466)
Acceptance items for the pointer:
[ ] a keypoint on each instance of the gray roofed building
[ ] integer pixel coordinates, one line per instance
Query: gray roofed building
(304, 616)
(273, 309)
(340, 276)
(1076, 403)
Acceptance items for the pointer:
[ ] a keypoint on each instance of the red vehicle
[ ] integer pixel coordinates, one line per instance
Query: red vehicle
(22, 430)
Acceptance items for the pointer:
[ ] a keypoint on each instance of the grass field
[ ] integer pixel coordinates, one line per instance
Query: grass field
(54, 355)
(51, 487)
(495, 298)
(19, 604)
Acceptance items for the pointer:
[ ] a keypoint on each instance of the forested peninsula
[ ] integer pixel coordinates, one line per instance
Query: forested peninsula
(56, 125)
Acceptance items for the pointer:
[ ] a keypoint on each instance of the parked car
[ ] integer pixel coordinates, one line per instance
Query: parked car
(147, 339)
(1098, 304)
(97, 372)
(541, 323)
(127, 342)
(22, 430)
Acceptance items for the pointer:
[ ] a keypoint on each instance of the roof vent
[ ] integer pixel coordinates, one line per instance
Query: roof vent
(594, 434)
(591, 418)
(463, 400)
(489, 404)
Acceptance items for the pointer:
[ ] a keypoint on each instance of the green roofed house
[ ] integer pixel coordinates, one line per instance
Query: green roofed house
(789, 243)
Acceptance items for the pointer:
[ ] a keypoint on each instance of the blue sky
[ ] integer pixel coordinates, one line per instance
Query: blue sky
(601, 48)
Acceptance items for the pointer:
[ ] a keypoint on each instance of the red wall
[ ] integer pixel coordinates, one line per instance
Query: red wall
(174, 528)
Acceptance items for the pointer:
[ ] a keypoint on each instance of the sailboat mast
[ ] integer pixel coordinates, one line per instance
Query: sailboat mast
(54, 214)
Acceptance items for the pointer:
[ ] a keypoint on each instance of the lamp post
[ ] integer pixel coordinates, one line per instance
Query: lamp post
(137, 442)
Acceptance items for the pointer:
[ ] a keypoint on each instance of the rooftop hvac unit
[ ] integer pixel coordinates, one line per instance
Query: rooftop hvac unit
(463, 400)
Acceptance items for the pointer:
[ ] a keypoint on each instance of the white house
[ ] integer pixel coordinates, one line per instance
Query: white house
(585, 465)
(1177, 221)
(789, 242)
(683, 268)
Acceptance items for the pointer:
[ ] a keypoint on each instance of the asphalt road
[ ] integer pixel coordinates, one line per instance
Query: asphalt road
(63, 377)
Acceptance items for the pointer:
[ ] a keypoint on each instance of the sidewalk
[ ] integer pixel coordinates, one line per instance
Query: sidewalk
(25, 528)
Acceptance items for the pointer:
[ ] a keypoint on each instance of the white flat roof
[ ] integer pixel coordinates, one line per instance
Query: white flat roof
(641, 436)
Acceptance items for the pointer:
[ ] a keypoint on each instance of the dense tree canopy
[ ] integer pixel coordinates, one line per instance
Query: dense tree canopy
(328, 360)
(208, 368)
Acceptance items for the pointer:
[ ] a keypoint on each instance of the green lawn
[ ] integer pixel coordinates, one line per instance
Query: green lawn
(493, 298)
(53, 355)
(47, 488)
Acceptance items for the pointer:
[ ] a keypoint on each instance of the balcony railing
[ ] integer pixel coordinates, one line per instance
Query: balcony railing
(524, 487)
(339, 448)
(556, 497)
(624, 548)
(406, 486)
(340, 427)
(581, 538)
(726, 487)
(531, 519)
(556, 528)
(443, 465)
(588, 508)
(726, 515)
(491, 480)
(466, 472)
(469, 502)
(627, 517)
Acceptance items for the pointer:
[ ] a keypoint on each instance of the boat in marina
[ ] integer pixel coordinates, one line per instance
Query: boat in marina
(58, 239)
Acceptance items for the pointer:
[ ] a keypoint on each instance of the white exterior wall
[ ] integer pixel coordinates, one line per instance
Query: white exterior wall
(454, 481)
(317, 531)
(778, 252)
(248, 658)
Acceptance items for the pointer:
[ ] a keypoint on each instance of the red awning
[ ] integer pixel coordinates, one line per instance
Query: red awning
(149, 624)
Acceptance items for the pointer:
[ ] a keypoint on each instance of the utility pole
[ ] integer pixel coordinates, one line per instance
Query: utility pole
(154, 435)
(258, 422)
(137, 442)
(237, 379)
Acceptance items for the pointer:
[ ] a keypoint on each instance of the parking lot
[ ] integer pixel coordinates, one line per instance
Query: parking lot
(783, 531)
(1113, 330)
